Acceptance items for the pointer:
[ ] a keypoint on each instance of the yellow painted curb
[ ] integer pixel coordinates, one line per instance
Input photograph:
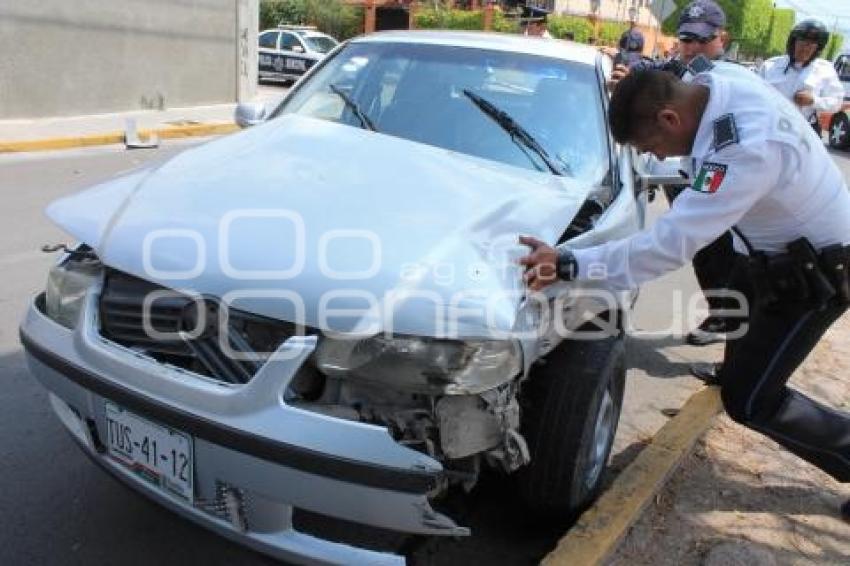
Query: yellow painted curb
(602, 527)
(49, 144)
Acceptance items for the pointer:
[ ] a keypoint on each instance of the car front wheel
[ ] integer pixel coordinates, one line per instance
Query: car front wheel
(839, 131)
(571, 407)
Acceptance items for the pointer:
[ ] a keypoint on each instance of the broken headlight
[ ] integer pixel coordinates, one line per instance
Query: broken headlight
(423, 365)
(67, 285)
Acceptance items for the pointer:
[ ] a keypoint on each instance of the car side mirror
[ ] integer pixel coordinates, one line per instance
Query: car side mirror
(648, 182)
(250, 114)
(648, 174)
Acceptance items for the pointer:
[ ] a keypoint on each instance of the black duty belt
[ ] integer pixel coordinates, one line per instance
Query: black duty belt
(802, 274)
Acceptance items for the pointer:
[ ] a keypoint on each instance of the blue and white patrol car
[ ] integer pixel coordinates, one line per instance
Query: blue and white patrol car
(287, 52)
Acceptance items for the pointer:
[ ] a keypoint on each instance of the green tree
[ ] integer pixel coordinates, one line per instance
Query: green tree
(275, 12)
(754, 25)
(581, 28)
(833, 48)
(780, 28)
(610, 32)
(332, 17)
(442, 18)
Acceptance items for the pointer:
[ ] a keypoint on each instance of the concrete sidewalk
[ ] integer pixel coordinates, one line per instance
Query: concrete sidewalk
(102, 129)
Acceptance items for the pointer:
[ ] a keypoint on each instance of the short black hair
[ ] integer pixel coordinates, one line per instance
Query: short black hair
(636, 101)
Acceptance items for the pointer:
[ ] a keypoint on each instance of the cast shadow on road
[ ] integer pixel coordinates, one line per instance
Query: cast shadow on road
(647, 354)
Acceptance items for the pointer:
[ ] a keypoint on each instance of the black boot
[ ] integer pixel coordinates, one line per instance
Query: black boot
(708, 373)
(813, 432)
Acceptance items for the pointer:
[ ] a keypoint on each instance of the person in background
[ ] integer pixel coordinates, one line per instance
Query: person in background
(801, 76)
(630, 47)
(535, 22)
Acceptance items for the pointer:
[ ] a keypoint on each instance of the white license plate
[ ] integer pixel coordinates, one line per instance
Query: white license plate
(157, 454)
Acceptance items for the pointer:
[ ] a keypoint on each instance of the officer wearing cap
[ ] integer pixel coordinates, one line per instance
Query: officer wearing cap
(630, 46)
(701, 31)
(802, 77)
(535, 21)
(759, 169)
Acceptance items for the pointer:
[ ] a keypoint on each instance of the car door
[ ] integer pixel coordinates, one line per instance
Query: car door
(267, 47)
(294, 58)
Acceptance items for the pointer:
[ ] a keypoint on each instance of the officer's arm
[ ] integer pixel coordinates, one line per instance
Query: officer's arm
(830, 95)
(727, 186)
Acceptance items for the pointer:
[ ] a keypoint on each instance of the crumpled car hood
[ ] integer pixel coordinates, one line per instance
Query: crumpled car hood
(301, 219)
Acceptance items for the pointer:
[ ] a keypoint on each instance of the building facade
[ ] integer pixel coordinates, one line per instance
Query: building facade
(65, 58)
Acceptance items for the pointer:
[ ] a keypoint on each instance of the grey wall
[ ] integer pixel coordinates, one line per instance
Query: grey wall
(69, 57)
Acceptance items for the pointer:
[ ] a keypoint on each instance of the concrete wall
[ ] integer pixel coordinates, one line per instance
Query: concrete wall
(70, 57)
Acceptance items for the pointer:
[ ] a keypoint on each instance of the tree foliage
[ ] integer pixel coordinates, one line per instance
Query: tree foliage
(754, 26)
(581, 28)
(610, 32)
(780, 29)
(332, 17)
(441, 18)
(833, 48)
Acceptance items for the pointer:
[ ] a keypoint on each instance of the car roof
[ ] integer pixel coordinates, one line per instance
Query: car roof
(312, 33)
(556, 48)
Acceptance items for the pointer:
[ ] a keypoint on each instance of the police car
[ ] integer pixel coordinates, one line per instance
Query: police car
(838, 124)
(288, 52)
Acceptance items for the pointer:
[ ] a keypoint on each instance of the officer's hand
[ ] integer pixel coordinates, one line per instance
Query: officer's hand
(804, 98)
(610, 51)
(618, 74)
(541, 264)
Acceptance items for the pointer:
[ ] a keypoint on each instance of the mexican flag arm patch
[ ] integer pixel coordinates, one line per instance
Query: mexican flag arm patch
(710, 178)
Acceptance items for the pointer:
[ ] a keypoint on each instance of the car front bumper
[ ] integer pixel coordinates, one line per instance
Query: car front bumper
(248, 444)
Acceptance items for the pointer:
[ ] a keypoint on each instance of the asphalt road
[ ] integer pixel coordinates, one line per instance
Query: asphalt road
(58, 508)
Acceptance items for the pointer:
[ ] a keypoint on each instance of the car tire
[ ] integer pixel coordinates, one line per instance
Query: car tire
(571, 407)
(839, 131)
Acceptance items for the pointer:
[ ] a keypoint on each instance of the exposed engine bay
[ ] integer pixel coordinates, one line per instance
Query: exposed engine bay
(460, 431)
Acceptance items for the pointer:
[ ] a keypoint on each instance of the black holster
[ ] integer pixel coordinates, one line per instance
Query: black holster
(835, 262)
(805, 257)
(801, 275)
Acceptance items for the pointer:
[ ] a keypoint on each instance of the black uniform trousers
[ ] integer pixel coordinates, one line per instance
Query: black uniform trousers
(757, 367)
(713, 267)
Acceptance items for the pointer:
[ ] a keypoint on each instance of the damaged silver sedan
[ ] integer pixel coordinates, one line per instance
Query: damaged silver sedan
(324, 312)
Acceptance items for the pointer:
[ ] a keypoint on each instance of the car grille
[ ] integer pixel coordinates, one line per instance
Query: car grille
(172, 315)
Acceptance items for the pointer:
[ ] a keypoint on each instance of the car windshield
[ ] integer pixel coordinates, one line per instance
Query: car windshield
(320, 43)
(417, 92)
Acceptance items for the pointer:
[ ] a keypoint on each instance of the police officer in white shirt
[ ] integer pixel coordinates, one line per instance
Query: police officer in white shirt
(702, 34)
(760, 169)
(810, 82)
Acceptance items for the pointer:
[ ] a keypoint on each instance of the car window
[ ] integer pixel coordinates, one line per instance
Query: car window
(268, 40)
(288, 41)
(320, 43)
(416, 92)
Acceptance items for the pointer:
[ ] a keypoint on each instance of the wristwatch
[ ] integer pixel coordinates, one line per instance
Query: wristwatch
(567, 265)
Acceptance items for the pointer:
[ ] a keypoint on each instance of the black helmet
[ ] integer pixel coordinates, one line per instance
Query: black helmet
(808, 29)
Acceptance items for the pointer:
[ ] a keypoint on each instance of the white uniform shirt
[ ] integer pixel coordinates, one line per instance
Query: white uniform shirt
(756, 164)
(819, 77)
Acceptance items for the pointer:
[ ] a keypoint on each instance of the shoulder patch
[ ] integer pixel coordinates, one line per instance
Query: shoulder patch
(710, 178)
(700, 64)
(725, 132)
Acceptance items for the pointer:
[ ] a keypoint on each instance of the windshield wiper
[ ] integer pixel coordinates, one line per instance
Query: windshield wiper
(518, 133)
(364, 119)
